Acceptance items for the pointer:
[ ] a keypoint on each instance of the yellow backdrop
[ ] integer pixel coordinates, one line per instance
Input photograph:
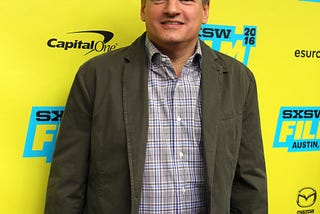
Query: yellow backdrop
(43, 44)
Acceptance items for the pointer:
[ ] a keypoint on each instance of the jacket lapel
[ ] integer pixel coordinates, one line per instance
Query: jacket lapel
(135, 101)
(211, 99)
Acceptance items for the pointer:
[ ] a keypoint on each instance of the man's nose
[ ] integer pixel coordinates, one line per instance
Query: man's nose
(172, 7)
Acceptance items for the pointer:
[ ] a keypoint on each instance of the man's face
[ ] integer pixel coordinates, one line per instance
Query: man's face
(174, 21)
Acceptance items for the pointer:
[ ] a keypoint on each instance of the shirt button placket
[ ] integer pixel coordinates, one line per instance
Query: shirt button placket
(181, 155)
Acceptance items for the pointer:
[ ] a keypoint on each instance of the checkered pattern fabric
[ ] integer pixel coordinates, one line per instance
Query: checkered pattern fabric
(173, 180)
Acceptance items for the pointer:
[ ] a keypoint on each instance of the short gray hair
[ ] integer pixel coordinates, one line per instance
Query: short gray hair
(204, 2)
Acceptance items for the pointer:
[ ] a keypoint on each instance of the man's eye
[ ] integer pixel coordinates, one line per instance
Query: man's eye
(158, 1)
(187, 1)
(182, 1)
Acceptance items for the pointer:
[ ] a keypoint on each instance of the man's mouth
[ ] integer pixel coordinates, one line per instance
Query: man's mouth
(171, 23)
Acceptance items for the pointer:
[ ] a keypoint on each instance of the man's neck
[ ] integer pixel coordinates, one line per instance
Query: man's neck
(178, 53)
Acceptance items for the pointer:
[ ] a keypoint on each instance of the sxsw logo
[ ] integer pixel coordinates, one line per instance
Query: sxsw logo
(298, 129)
(311, 0)
(225, 39)
(42, 132)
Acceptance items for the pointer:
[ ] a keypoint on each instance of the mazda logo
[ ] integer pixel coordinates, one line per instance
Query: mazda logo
(306, 197)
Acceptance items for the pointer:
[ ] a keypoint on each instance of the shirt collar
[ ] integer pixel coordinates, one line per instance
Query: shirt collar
(154, 55)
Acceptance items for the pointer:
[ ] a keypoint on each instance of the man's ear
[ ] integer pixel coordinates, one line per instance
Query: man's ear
(206, 8)
(142, 12)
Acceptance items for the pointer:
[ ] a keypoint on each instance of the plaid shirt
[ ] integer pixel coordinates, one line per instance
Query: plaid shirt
(173, 180)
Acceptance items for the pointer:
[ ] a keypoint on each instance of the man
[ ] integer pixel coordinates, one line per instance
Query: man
(165, 125)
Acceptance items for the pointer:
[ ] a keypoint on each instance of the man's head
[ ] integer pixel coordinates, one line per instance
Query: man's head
(172, 22)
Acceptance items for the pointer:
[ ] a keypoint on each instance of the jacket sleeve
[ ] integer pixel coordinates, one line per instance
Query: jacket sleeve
(66, 191)
(249, 190)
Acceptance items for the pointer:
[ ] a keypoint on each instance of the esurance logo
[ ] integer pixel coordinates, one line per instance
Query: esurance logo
(42, 132)
(225, 39)
(307, 53)
(76, 43)
(298, 129)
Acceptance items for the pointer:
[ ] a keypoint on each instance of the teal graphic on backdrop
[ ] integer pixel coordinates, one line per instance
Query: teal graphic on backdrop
(298, 129)
(311, 0)
(42, 132)
(225, 39)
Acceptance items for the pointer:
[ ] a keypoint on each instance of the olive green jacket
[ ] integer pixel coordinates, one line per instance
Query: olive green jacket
(99, 156)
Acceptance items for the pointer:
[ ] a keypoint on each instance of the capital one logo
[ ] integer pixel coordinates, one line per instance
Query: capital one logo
(42, 132)
(89, 46)
(306, 197)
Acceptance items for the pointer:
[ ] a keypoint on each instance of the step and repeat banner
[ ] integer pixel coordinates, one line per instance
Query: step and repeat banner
(44, 43)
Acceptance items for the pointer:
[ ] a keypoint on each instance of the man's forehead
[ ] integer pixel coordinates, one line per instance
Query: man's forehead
(203, 1)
